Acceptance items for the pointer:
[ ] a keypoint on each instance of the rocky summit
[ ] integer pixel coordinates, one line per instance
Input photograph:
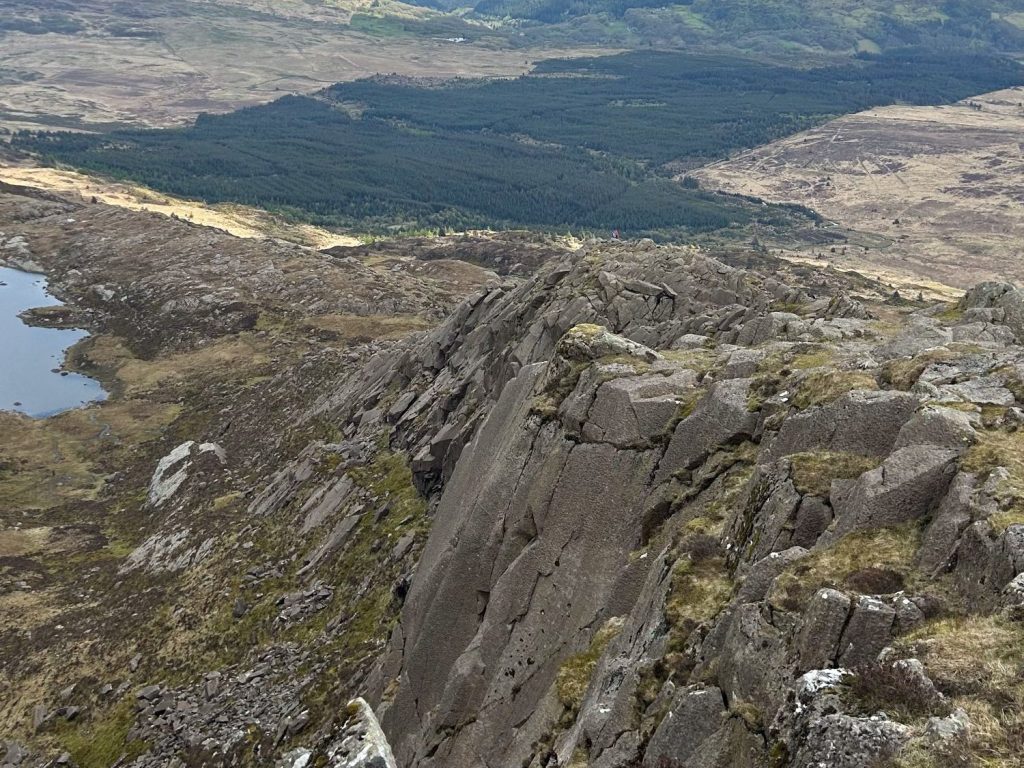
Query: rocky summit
(627, 505)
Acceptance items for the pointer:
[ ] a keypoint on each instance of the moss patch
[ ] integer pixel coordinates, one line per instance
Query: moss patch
(903, 373)
(951, 314)
(547, 403)
(813, 472)
(700, 589)
(820, 385)
(103, 741)
(888, 549)
(575, 673)
(1001, 449)
(823, 387)
(812, 359)
(702, 360)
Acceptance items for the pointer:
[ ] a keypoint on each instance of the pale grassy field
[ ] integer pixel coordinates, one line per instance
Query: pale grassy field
(937, 191)
(237, 220)
(219, 55)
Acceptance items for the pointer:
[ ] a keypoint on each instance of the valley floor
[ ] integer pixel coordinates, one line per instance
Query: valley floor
(161, 64)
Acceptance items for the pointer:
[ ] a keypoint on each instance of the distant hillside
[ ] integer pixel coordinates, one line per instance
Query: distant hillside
(781, 25)
(582, 144)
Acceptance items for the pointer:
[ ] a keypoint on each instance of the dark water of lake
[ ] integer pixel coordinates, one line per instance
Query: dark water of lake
(28, 355)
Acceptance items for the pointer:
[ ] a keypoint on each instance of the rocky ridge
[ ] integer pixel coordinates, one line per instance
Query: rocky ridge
(637, 508)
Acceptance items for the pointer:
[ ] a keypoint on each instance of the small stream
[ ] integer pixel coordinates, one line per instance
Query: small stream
(29, 355)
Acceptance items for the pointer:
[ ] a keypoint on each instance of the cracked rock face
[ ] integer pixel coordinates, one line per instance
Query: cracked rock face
(617, 480)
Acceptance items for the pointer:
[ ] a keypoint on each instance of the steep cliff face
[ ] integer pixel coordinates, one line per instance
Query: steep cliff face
(688, 553)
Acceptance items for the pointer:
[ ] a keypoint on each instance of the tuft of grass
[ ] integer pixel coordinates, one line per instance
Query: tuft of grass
(751, 715)
(814, 471)
(762, 387)
(814, 359)
(903, 373)
(1012, 381)
(893, 688)
(889, 549)
(701, 360)
(1001, 449)
(548, 401)
(227, 500)
(701, 588)
(575, 673)
(951, 315)
(687, 405)
(103, 741)
(977, 663)
(792, 307)
(823, 387)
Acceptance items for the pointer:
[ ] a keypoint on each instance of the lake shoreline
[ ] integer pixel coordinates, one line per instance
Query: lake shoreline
(40, 332)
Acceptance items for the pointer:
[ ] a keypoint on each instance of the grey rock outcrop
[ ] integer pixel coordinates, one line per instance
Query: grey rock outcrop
(720, 419)
(618, 511)
(862, 421)
(907, 485)
(697, 713)
(363, 744)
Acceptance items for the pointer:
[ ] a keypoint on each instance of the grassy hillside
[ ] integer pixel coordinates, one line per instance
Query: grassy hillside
(577, 144)
(784, 25)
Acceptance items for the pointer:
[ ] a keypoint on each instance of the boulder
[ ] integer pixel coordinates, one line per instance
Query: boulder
(839, 740)
(987, 562)
(953, 515)
(868, 631)
(696, 713)
(174, 468)
(774, 325)
(907, 486)
(588, 342)
(734, 745)
(741, 364)
(920, 334)
(753, 663)
(821, 629)
(943, 427)
(363, 743)
(864, 422)
(939, 730)
(758, 578)
(721, 418)
(633, 410)
(774, 503)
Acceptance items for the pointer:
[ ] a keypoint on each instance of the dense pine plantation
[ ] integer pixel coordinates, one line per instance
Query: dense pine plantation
(577, 144)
